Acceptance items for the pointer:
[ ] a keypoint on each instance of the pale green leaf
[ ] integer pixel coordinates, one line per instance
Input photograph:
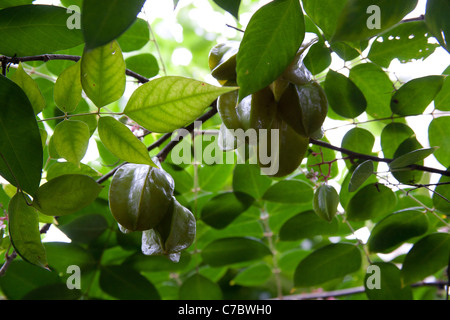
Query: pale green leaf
(30, 87)
(67, 90)
(71, 139)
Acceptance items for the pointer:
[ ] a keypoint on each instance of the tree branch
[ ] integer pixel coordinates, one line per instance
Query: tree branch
(361, 156)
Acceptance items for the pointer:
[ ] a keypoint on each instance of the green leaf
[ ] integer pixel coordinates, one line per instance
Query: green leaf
(57, 291)
(103, 74)
(71, 139)
(438, 136)
(307, 225)
(103, 21)
(408, 176)
(213, 177)
(135, 37)
(224, 208)
(23, 277)
(24, 230)
(427, 256)
(145, 64)
(411, 158)
(442, 99)
(60, 255)
(318, 57)
(395, 229)
(227, 251)
(358, 140)
(118, 139)
(344, 97)
(353, 23)
(168, 103)
(13, 3)
(31, 89)
(315, 160)
(198, 287)
(436, 19)
(325, 19)
(20, 144)
(247, 178)
(442, 194)
(85, 229)
(289, 191)
(231, 6)
(271, 40)
(61, 168)
(124, 283)
(66, 194)
(414, 96)
(392, 137)
(376, 86)
(36, 29)
(376, 199)
(390, 287)
(67, 90)
(255, 275)
(407, 42)
(327, 263)
(360, 175)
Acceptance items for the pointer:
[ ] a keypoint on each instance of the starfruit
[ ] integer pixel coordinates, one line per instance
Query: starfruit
(325, 202)
(175, 233)
(304, 108)
(140, 196)
(222, 62)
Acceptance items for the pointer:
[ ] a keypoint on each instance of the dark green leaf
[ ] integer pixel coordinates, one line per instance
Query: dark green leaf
(103, 74)
(396, 228)
(118, 139)
(442, 99)
(36, 29)
(24, 230)
(224, 208)
(247, 178)
(85, 228)
(406, 42)
(23, 277)
(427, 256)
(411, 158)
(326, 19)
(178, 102)
(66, 194)
(344, 96)
(327, 263)
(255, 275)
(388, 277)
(271, 40)
(307, 225)
(360, 175)
(145, 64)
(376, 86)
(103, 21)
(376, 199)
(61, 255)
(124, 283)
(358, 140)
(436, 18)
(289, 191)
(135, 37)
(198, 287)
(57, 291)
(392, 136)
(232, 6)
(354, 21)
(13, 3)
(414, 96)
(438, 137)
(408, 176)
(441, 195)
(20, 144)
(226, 251)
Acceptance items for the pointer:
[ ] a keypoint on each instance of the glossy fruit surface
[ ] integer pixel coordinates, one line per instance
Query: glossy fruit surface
(140, 196)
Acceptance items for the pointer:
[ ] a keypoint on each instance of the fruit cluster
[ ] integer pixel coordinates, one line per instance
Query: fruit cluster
(141, 199)
(294, 104)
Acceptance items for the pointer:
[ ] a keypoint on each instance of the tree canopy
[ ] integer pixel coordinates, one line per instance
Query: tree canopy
(279, 156)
